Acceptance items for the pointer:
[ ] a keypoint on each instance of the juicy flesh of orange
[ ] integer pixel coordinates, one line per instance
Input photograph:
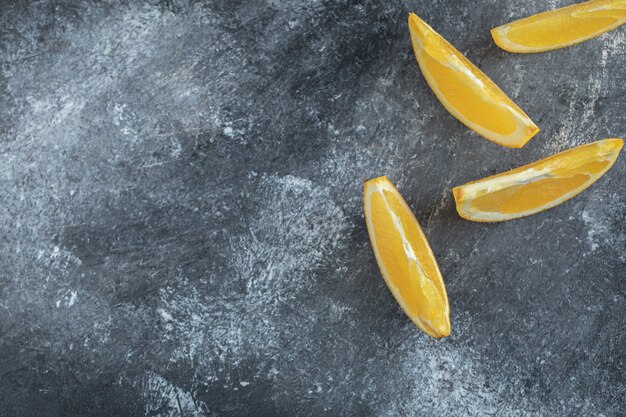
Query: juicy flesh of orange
(565, 26)
(466, 91)
(459, 90)
(521, 198)
(405, 258)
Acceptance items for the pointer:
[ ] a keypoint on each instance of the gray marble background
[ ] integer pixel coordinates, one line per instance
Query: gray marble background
(181, 231)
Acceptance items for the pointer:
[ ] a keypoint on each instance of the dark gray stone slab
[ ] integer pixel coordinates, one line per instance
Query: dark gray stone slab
(181, 230)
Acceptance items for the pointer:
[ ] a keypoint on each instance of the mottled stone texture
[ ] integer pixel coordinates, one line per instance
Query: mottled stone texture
(181, 231)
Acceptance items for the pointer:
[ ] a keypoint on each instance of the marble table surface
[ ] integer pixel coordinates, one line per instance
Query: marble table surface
(181, 227)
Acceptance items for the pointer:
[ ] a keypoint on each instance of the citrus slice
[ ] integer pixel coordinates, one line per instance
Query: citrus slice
(405, 259)
(561, 27)
(466, 92)
(538, 186)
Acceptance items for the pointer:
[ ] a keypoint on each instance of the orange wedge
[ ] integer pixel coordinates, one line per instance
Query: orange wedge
(405, 259)
(561, 27)
(538, 186)
(466, 92)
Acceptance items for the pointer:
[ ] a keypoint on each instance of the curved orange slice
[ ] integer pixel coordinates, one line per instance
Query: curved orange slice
(561, 27)
(466, 92)
(538, 186)
(405, 259)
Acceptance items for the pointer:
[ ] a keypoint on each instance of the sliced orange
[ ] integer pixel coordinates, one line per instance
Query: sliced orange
(405, 259)
(466, 92)
(561, 27)
(538, 186)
